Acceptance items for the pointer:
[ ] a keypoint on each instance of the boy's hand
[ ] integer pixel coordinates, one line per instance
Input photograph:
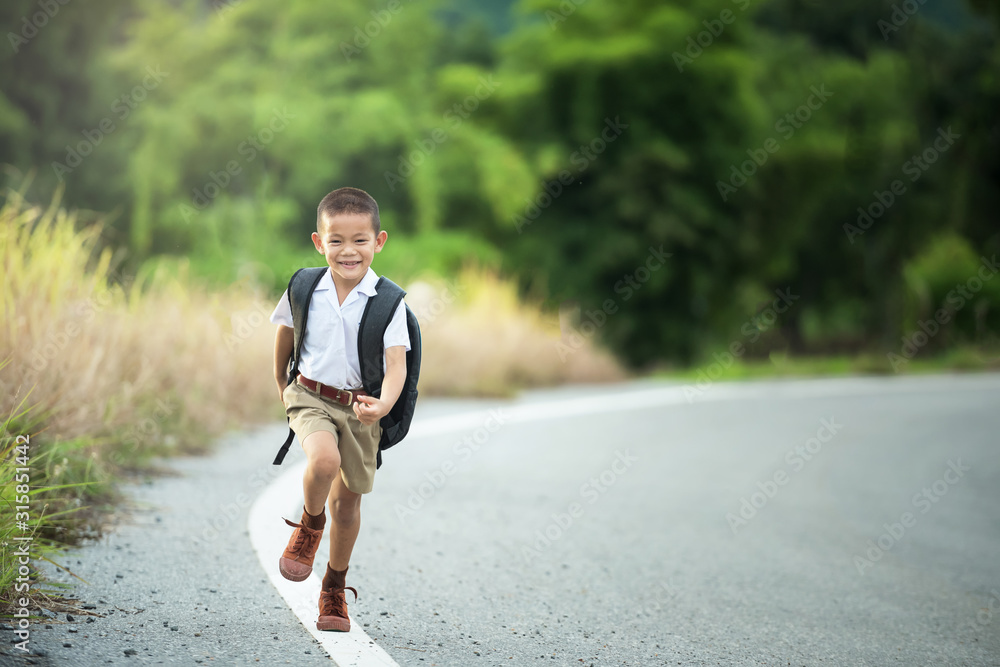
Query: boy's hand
(370, 409)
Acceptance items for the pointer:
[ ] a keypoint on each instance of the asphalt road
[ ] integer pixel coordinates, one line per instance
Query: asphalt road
(833, 522)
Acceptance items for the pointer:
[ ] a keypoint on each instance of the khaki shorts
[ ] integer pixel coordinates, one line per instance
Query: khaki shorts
(309, 412)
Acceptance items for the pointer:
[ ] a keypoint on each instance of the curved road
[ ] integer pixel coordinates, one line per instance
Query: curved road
(821, 522)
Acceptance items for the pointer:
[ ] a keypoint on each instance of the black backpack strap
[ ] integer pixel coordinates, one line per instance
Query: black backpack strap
(375, 320)
(300, 290)
(284, 448)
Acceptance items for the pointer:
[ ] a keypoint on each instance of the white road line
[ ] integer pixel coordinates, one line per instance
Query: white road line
(283, 497)
(641, 399)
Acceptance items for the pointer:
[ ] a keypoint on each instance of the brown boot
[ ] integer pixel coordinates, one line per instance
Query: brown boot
(296, 563)
(332, 605)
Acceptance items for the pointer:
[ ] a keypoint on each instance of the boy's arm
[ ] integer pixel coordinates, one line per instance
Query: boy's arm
(284, 340)
(370, 409)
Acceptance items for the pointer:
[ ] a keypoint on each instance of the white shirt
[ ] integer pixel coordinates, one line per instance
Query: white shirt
(330, 349)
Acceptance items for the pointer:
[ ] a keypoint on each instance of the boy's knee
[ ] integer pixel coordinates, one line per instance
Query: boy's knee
(345, 511)
(323, 455)
(325, 465)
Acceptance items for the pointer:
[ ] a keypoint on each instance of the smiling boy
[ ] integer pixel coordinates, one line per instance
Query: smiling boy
(334, 419)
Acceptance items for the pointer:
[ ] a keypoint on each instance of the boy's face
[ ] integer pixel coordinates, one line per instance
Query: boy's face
(349, 243)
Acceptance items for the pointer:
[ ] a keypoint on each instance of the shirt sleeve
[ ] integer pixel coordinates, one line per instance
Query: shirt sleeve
(283, 312)
(396, 333)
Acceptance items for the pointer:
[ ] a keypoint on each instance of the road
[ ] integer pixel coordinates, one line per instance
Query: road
(818, 522)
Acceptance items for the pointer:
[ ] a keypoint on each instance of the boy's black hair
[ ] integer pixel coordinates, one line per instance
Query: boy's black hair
(348, 200)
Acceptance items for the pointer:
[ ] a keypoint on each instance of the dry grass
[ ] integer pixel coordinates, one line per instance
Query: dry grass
(149, 362)
(480, 339)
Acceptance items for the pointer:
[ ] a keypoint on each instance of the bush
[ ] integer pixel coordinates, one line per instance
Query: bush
(951, 294)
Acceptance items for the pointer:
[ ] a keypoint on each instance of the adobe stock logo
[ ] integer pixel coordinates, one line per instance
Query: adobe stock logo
(924, 500)
(575, 337)
(914, 168)
(899, 17)
(696, 44)
(581, 158)
(435, 480)
(955, 300)
(122, 107)
(30, 28)
(786, 126)
(752, 330)
(425, 148)
(565, 9)
(217, 182)
(591, 490)
(796, 457)
(362, 38)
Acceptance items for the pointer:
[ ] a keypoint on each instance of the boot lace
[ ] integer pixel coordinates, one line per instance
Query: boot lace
(332, 602)
(306, 539)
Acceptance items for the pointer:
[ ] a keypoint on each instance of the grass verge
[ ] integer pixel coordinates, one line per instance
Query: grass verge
(963, 359)
(101, 373)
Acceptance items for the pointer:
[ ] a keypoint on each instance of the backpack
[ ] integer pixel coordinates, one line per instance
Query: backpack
(374, 321)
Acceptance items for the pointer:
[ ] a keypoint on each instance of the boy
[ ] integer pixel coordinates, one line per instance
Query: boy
(336, 422)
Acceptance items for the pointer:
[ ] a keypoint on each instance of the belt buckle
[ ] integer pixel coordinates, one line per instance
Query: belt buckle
(350, 397)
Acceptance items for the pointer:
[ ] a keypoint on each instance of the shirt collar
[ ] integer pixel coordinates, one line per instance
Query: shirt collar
(366, 286)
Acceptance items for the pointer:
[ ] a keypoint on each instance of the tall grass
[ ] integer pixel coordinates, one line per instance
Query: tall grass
(149, 361)
(31, 514)
(480, 338)
(112, 368)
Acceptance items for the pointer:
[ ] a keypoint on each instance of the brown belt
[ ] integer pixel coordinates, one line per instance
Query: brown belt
(342, 396)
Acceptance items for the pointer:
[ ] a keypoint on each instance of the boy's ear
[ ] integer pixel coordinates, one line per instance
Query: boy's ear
(318, 242)
(380, 240)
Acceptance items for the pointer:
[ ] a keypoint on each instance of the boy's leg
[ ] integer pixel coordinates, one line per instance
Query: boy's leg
(323, 465)
(345, 513)
(358, 446)
(322, 469)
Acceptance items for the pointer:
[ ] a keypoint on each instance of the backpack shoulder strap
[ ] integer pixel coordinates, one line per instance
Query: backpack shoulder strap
(300, 291)
(375, 320)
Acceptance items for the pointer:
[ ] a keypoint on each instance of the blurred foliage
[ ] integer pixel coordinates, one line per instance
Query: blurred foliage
(952, 294)
(212, 128)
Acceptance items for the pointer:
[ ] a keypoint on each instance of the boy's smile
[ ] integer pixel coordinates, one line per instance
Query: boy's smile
(349, 243)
